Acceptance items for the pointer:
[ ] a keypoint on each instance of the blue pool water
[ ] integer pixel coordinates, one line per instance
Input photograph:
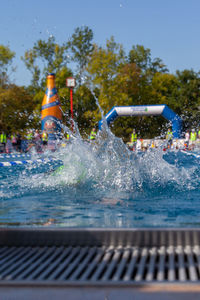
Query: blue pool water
(103, 185)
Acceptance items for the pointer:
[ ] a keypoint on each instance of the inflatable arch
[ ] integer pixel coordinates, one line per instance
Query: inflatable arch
(146, 110)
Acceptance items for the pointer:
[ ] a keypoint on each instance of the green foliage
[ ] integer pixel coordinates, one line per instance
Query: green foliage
(63, 91)
(81, 48)
(189, 97)
(6, 56)
(104, 69)
(85, 107)
(141, 56)
(104, 74)
(165, 89)
(45, 57)
(16, 109)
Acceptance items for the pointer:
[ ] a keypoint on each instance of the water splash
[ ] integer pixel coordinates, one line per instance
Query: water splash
(107, 165)
(102, 183)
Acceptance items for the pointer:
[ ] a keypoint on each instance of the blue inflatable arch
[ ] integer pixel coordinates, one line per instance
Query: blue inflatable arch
(146, 110)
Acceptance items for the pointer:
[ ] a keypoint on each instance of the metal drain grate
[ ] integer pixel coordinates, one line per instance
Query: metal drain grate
(100, 264)
(99, 256)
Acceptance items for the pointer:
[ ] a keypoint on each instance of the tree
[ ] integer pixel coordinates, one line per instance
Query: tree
(6, 56)
(141, 56)
(16, 109)
(189, 96)
(116, 79)
(81, 48)
(45, 57)
(123, 81)
(85, 107)
(104, 69)
(165, 90)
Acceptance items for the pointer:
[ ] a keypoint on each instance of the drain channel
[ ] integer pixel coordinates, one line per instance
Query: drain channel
(100, 264)
(99, 256)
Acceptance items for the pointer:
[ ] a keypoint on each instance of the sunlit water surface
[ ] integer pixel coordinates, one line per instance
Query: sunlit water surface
(103, 185)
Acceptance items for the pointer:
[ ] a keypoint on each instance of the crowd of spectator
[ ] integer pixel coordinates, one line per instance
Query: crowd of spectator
(39, 141)
(17, 143)
(190, 141)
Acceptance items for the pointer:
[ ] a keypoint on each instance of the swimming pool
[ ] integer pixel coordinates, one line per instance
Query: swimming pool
(102, 185)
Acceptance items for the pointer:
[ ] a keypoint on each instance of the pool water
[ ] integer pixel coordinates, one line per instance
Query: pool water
(103, 185)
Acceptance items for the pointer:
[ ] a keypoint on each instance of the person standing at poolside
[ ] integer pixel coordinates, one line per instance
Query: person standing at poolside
(193, 138)
(93, 134)
(193, 135)
(14, 141)
(44, 138)
(3, 140)
(30, 136)
(9, 147)
(19, 142)
(199, 134)
(169, 138)
(37, 141)
(134, 139)
(198, 138)
(187, 139)
(67, 136)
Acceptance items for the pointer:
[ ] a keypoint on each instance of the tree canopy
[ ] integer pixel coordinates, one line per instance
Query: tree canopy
(6, 56)
(106, 76)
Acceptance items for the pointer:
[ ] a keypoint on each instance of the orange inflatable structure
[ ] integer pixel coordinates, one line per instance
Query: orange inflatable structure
(51, 113)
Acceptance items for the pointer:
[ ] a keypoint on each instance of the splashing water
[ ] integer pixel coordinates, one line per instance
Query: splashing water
(103, 184)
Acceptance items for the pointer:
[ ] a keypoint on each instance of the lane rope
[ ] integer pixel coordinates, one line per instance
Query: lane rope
(11, 155)
(191, 154)
(23, 162)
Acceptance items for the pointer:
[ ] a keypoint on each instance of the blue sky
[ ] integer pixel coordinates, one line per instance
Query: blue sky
(170, 28)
